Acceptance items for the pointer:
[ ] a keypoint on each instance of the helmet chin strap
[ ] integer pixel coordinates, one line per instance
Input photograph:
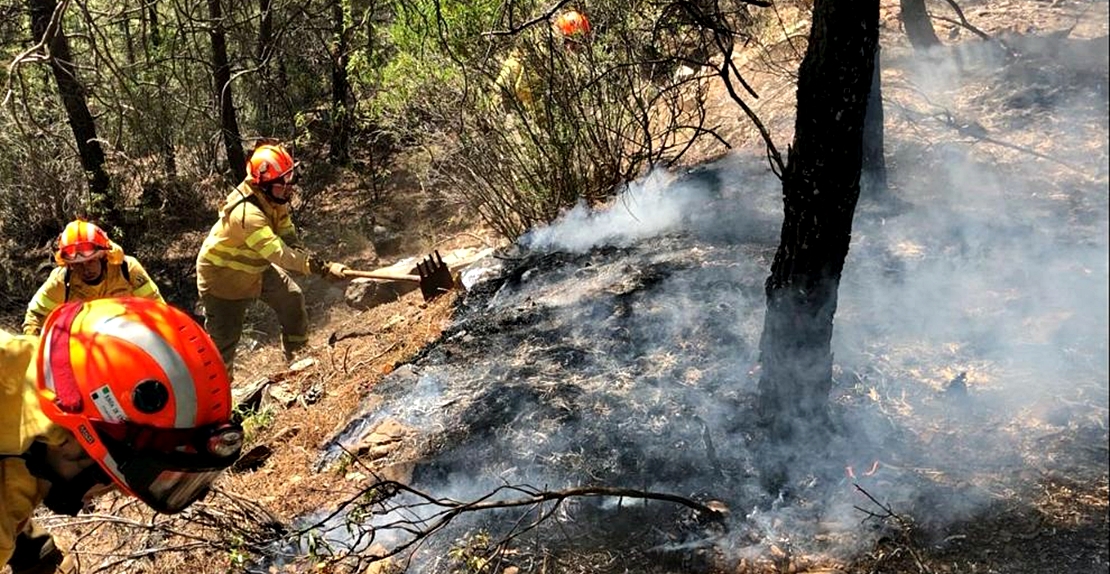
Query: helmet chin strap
(268, 191)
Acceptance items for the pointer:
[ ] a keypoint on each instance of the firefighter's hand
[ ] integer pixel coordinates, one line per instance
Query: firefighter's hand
(335, 271)
(327, 269)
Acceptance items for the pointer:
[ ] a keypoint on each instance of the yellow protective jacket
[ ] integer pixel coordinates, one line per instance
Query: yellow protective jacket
(21, 423)
(123, 277)
(513, 79)
(250, 235)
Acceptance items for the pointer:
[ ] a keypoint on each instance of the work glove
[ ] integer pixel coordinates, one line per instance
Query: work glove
(327, 269)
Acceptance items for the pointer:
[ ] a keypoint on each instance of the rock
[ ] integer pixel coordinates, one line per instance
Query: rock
(250, 396)
(386, 241)
(302, 364)
(253, 459)
(280, 395)
(957, 387)
(383, 566)
(398, 472)
(381, 440)
(313, 394)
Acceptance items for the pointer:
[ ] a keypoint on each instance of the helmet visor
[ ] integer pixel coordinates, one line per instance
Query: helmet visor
(289, 177)
(79, 252)
(169, 469)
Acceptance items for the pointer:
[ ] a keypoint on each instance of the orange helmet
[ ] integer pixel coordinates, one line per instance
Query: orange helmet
(142, 388)
(81, 241)
(269, 163)
(572, 23)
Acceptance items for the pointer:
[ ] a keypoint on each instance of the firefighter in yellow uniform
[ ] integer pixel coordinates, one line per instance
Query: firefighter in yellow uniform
(516, 81)
(249, 252)
(136, 380)
(90, 266)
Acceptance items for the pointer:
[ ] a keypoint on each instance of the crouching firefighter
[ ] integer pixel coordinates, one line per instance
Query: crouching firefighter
(249, 252)
(117, 393)
(90, 266)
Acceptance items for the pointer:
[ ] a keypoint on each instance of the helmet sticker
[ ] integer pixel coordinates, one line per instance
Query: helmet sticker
(107, 404)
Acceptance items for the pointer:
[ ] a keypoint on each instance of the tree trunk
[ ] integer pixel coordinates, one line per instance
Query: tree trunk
(873, 183)
(340, 88)
(265, 53)
(919, 29)
(165, 129)
(102, 206)
(820, 188)
(221, 74)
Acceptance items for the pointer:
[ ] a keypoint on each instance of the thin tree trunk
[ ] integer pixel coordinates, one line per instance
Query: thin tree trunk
(340, 87)
(265, 53)
(125, 24)
(221, 75)
(873, 183)
(820, 189)
(919, 29)
(102, 205)
(153, 39)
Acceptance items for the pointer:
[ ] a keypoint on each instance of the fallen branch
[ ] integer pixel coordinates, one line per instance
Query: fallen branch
(391, 506)
(905, 526)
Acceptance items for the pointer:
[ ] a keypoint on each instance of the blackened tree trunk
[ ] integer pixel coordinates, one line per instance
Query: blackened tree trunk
(47, 27)
(919, 29)
(820, 187)
(873, 183)
(340, 87)
(221, 74)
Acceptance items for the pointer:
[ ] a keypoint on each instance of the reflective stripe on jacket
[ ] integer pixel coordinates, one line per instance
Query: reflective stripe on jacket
(118, 281)
(22, 423)
(250, 235)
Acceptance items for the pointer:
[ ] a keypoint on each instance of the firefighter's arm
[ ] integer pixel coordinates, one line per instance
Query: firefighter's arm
(50, 294)
(259, 236)
(141, 283)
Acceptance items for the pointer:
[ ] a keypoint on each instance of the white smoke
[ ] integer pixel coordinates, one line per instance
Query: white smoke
(646, 208)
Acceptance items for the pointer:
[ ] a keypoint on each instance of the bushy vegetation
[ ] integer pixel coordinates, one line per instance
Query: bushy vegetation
(393, 74)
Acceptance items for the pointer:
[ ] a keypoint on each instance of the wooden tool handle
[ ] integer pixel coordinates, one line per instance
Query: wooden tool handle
(383, 275)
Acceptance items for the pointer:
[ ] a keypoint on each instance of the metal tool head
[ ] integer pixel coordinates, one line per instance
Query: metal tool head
(435, 276)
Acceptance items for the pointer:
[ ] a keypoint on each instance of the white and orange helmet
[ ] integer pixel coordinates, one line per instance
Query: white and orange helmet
(81, 241)
(142, 388)
(270, 163)
(572, 25)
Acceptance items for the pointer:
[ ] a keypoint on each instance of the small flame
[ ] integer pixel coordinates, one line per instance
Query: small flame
(870, 472)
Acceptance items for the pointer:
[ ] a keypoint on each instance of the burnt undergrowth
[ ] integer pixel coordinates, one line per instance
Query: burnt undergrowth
(630, 361)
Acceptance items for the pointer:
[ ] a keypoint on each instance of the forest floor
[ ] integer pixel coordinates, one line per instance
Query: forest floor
(1031, 116)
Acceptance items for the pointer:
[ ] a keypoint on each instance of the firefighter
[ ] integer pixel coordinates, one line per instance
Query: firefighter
(125, 394)
(90, 266)
(514, 80)
(249, 252)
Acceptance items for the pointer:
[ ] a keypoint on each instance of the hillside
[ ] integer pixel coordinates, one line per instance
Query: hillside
(618, 349)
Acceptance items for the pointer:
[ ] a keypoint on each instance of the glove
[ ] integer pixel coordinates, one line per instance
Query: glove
(327, 269)
(336, 271)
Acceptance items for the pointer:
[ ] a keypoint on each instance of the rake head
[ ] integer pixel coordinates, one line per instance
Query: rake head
(435, 276)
